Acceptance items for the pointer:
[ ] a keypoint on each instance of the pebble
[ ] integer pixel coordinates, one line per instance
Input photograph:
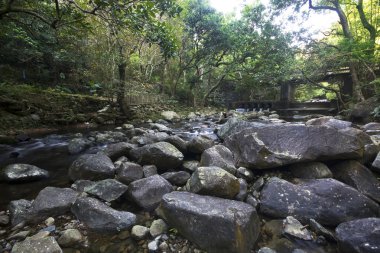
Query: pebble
(4, 220)
(124, 235)
(49, 221)
(70, 238)
(139, 232)
(158, 227)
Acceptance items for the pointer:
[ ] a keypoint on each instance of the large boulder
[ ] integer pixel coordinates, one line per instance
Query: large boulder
(199, 144)
(107, 189)
(270, 146)
(177, 142)
(40, 245)
(310, 170)
(149, 138)
(359, 236)
(129, 172)
(214, 224)
(213, 181)
(92, 167)
(78, 145)
(234, 125)
(52, 201)
(328, 201)
(162, 154)
(218, 156)
(16, 173)
(99, 217)
(170, 115)
(148, 192)
(358, 176)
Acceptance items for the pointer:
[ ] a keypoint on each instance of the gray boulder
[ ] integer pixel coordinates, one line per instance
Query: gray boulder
(70, 238)
(177, 178)
(358, 176)
(78, 145)
(177, 142)
(19, 211)
(80, 185)
(328, 201)
(191, 165)
(310, 170)
(149, 170)
(199, 144)
(376, 163)
(160, 127)
(148, 192)
(234, 125)
(218, 156)
(92, 167)
(16, 173)
(170, 116)
(214, 224)
(52, 201)
(107, 189)
(359, 236)
(149, 138)
(41, 245)
(129, 172)
(294, 228)
(99, 217)
(117, 150)
(373, 126)
(162, 154)
(213, 181)
(257, 147)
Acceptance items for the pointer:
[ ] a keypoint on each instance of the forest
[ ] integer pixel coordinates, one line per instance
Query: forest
(188, 50)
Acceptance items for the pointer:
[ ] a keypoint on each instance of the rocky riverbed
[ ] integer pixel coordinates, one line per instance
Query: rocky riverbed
(257, 185)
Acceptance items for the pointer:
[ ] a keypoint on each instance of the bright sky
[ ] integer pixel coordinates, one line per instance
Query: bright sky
(317, 22)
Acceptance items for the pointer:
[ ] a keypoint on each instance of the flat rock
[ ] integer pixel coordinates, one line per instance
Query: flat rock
(52, 201)
(92, 167)
(99, 217)
(148, 192)
(359, 236)
(219, 156)
(16, 173)
(257, 147)
(214, 224)
(43, 245)
(330, 122)
(162, 154)
(328, 201)
(107, 189)
(358, 176)
(213, 181)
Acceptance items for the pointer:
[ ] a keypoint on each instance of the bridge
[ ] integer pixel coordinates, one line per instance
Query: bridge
(287, 106)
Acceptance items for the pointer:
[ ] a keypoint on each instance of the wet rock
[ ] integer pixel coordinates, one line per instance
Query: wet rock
(99, 217)
(107, 190)
(190, 165)
(149, 138)
(170, 116)
(321, 231)
(358, 176)
(52, 201)
(202, 218)
(376, 163)
(252, 201)
(149, 170)
(257, 147)
(19, 210)
(294, 228)
(241, 196)
(330, 122)
(78, 145)
(218, 156)
(234, 125)
(16, 173)
(177, 178)
(117, 150)
(80, 185)
(359, 236)
(43, 245)
(177, 142)
(162, 154)
(70, 238)
(19, 236)
(310, 170)
(160, 127)
(373, 126)
(4, 220)
(92, 167)
(129, 172)
(245, 174)
(328, 201)
(370, 153)
(213, 181)
(139, 232)
(148, 192)
(127, 126)
(266, 250)
(157, 228)
(199, 144)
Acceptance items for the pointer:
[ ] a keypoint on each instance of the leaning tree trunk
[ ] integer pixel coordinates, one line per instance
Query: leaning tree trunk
(121, 87)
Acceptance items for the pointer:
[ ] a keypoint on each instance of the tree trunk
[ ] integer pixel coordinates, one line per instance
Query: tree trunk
(213, 88)
(121, 86)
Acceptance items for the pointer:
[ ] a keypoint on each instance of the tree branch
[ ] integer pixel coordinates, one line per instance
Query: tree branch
(321, 7)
